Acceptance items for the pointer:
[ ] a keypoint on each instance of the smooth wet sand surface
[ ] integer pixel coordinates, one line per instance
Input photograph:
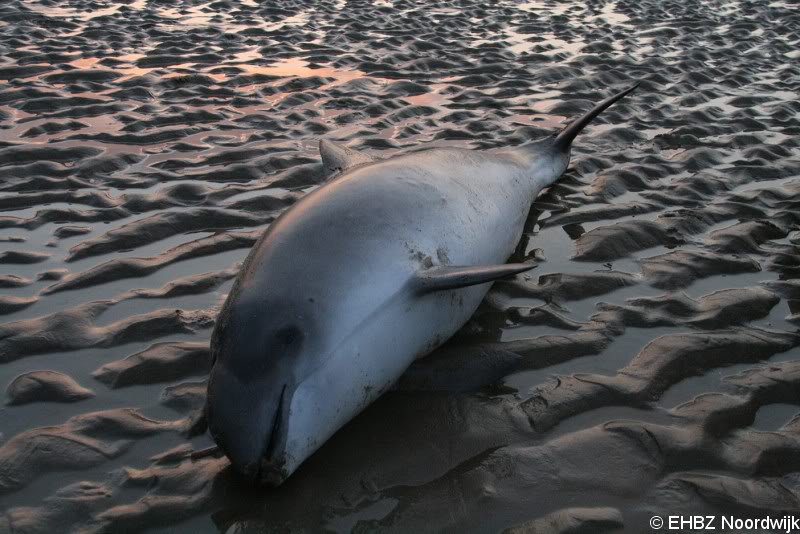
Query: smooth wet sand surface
(648, 365)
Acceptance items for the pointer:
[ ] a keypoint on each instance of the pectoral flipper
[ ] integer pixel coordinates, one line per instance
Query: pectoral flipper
(454, 277)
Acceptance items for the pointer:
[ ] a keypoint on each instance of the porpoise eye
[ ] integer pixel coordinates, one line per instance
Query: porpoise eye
(288, 336)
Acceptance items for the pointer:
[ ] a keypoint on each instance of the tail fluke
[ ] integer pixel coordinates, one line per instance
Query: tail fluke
(564, 139)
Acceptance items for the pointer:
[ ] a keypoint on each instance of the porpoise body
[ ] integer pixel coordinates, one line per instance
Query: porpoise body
(371, 270)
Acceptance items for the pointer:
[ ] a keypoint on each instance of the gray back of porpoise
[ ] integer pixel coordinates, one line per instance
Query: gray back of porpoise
(376, 267)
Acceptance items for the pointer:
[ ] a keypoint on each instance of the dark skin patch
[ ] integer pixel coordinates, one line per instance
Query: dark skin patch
(424, 260)
(441, 254)
(367, 391)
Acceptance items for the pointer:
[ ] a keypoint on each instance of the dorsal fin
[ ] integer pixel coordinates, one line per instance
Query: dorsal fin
(337, 157)
(454, 277)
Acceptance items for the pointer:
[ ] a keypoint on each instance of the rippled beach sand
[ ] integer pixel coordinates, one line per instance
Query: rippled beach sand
(649, 365)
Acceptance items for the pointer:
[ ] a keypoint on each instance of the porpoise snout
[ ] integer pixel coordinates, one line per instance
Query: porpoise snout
(245, 420)
(266, 471)
(272, 473)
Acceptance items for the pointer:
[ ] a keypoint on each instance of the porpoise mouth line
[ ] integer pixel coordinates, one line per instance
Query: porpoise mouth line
(269, 471)
(275, 427)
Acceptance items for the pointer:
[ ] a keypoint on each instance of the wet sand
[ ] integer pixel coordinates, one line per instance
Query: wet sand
(649, 365)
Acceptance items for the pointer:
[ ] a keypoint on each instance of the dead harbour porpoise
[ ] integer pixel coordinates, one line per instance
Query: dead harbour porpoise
(375, 268)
